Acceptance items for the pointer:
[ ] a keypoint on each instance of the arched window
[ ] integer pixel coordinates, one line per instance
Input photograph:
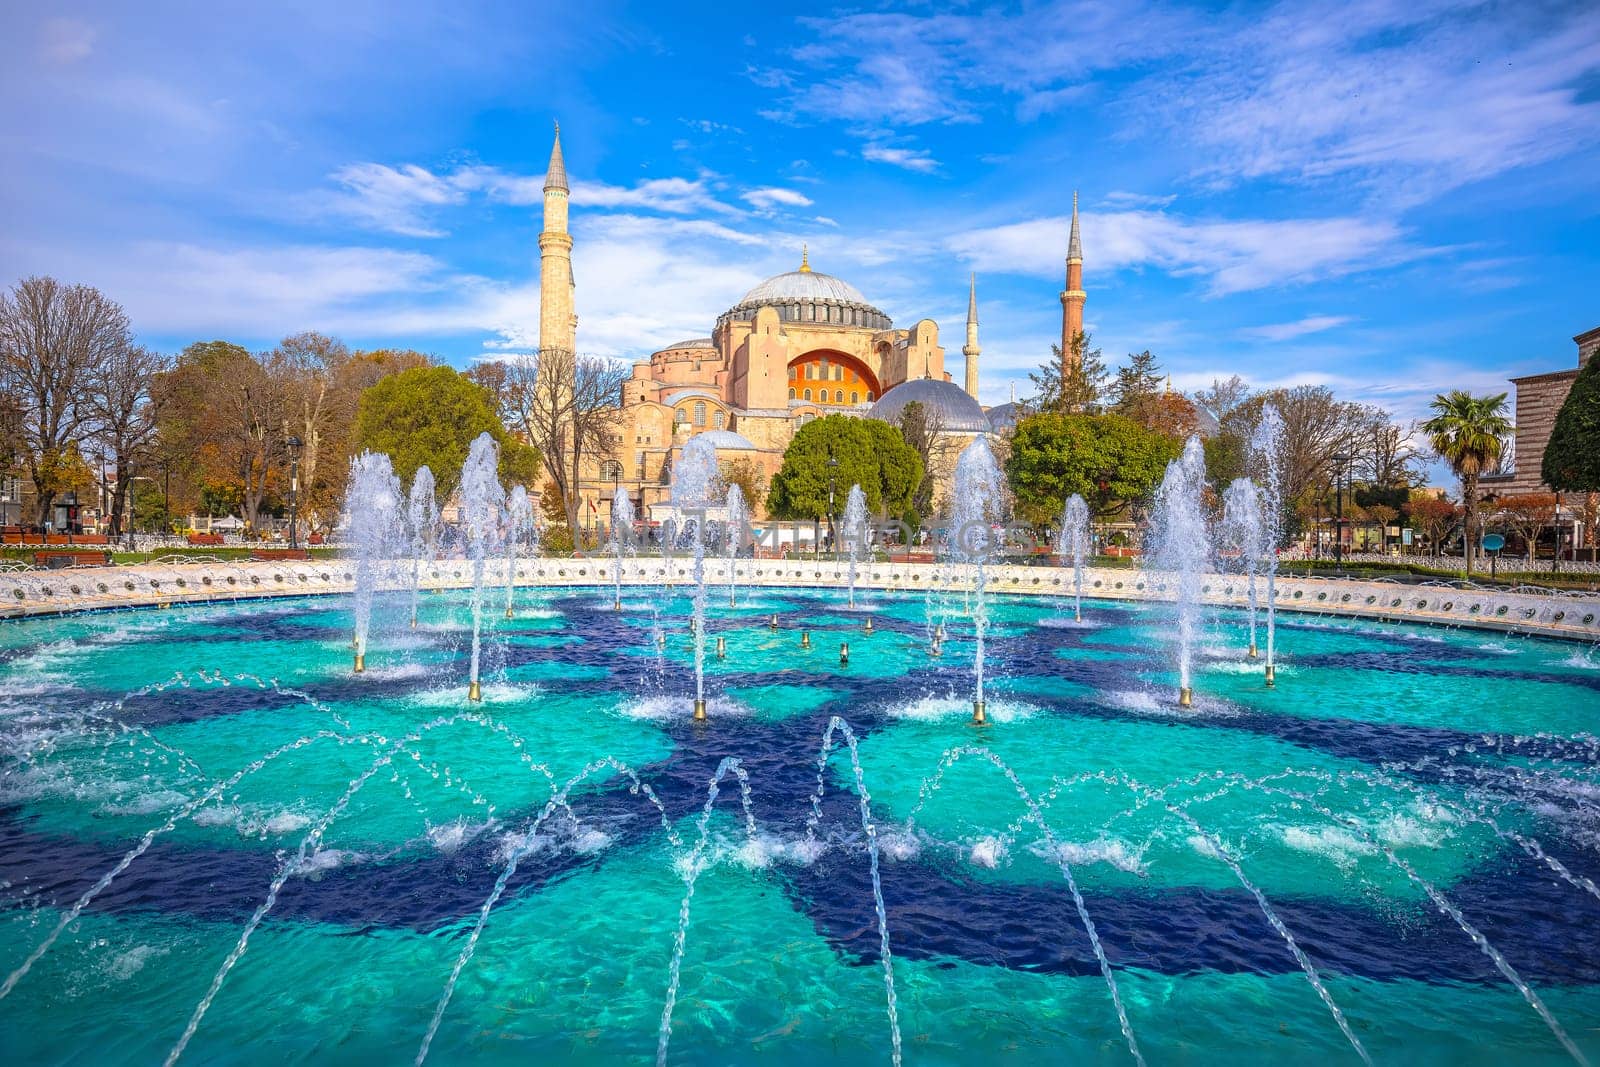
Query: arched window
(808, 394)
(793, 371)
(683, 416)
(869, 396)
(718, 420)
(791, 393)
(855, 397)
(700, 413)
(838, 373)
(838, 396)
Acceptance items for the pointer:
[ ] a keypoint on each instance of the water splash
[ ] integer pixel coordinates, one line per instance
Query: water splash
(519, 525)
(621, 535)
(855, 532)
(694, 487)
(373, 504)
(1242, 532)
(978, 508)
(482, 500)
(1074, 545)
(422, 519)
(1266, 459)
(735, 536)
(1181, 547)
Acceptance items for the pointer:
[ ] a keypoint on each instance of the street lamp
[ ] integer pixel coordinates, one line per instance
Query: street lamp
(294, 492)
(1340, 461)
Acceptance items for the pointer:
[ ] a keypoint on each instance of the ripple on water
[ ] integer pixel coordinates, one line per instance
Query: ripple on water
(670, 707)
(937, 709)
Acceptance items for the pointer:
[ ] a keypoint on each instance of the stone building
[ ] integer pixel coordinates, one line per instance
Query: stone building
(800, 345)
(1539, 399)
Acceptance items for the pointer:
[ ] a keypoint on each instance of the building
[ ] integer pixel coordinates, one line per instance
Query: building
(799, 345)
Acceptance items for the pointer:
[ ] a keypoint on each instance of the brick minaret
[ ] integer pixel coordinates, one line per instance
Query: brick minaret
(971, 349)
(558, 322)
(1072, 299)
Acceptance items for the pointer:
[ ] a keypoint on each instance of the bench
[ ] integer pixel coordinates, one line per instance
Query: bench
(262, 554)
(205, 539)
(55, 559)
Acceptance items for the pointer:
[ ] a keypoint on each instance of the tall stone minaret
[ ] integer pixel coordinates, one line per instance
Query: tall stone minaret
(1072, 298)
(558, 324)
(970, 349)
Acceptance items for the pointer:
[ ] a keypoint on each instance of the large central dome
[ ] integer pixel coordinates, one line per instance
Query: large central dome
(803, 285)
(806, 295)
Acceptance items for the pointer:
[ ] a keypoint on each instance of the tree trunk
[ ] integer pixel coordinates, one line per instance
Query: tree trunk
(1469, 493)
(119, 498)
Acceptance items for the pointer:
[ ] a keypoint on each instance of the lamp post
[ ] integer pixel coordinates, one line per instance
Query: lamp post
(294, 492)
(1555, 557)
(1340, 462)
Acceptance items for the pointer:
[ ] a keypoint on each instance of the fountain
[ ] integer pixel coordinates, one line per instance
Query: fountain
(1242, 532)
(977, 509)
(735, 535)
(1181, 549)
(519, 523)
(694, 486)
(855, 532)
(621, 538)
(422, 518)
(1074, 545)
(373, 503)
(482, 500)
(1266, 458)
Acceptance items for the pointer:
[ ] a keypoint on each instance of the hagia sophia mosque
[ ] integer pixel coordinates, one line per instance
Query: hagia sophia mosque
(800, 345)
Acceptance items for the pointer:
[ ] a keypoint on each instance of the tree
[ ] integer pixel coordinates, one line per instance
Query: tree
(52, 339)
(1529, 515)
(1382, 453)
(922, 428)
(1222, 398)
(1469, 433)
(1572, 455)
(306, 363)
(124, 413)
(1083, 385)
(747, 474)
(1109, 460)
(1139, 379)
(1434, 516)
(867, 452)
(430, 416)
(569, 408)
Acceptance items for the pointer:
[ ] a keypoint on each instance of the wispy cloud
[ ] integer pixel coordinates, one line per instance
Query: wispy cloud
(915, 159)
(394, 199)
(1231, 256)
(66, 40)
(769, 197)
(1285, 331)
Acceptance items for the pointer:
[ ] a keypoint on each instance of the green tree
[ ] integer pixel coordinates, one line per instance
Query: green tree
(1135, 383)
(1469, 433)
(1080, 390)
(1572, 456)
(1109, 460)
(430, 416)
(867, 452)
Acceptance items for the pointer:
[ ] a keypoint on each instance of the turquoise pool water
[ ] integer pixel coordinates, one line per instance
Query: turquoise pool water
(1394, 775)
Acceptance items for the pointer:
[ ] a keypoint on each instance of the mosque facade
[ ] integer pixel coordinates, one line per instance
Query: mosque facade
(798, 346)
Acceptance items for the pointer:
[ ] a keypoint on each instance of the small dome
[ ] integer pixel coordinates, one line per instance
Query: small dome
(725, 439)
(1004, 416)
(948, 402)
(807, 296)
(693, 342)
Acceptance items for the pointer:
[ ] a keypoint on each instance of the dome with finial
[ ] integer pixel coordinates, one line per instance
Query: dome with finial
(807, 295)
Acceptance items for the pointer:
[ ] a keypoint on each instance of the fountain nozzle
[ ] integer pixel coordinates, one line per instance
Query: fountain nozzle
(361, 662)
(937, 647)
(413, 622)
(1253, 653)
(1077, 614)
(868, 627)
(1272, 675)
(722, 647)
(1186, 697)
(844, 653)
(979, 718)
(508, 613)
(699, 709)
(805, 638)
(773, 624)
(474, 691)
(616, 605)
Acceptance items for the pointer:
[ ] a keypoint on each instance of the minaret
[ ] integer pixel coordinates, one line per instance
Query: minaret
(1072, 299)
(557, 321)
(970, 349)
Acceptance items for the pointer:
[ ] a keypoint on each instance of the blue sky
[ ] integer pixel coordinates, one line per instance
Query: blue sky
(1388, 197)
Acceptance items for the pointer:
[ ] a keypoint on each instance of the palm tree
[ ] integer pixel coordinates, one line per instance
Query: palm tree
(1469, 433)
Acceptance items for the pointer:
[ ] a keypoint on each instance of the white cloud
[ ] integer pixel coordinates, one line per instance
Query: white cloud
(908, 158)
(826, 221)
(1235, 256)
(66, 40)
(1285, 331)
(769, 197)
(394, 199)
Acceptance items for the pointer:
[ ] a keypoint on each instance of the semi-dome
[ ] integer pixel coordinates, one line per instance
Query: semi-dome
(947, 402)
(721, 439)
(806, 295)
(693, 342)
(1004, 416)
